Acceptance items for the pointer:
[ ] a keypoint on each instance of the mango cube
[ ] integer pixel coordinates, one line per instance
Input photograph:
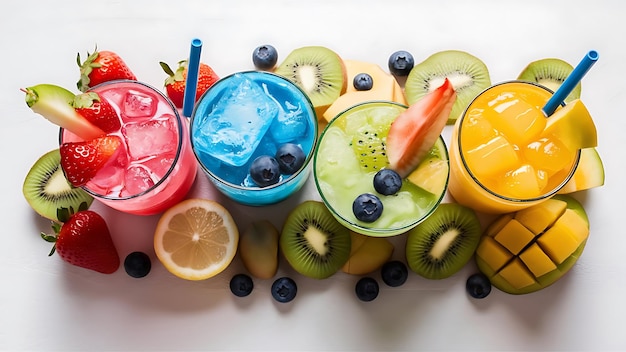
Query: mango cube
(517, 275)
(492, 253)
(523, 182)
(550, 155)
(537, 261)
(514, 236)
(476, 129)
(540, 217)
(517, 119)
(493, 157)
(564, 237)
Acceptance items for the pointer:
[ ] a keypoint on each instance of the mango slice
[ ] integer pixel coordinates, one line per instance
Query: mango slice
(589, 173)
(573, 126)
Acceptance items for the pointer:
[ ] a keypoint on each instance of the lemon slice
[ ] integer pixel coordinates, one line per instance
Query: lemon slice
(196, 239)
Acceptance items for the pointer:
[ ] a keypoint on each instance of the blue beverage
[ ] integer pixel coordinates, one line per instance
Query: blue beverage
(247, 115)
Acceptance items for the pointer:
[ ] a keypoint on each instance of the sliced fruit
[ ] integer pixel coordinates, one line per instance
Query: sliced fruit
(468, 74)
(367, 254)
(550, 73)
(573, 126)
(47, 190)
(588, 174)
(318, 71)
(258, 248)
(196, 239)
(97, 111)
(433, 172)
(414, 132)
(55, 104)
(531, 249)
(81, 161)
(314, 243)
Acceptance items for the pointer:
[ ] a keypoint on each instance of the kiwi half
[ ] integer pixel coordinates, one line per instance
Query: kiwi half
(46, 189)
(467, 73)
(441, 245)
(314, 243)
(550, 73)
(318, 71)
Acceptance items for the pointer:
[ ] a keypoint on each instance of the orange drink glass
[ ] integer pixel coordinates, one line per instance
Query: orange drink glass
(154, 168)
(500, 161)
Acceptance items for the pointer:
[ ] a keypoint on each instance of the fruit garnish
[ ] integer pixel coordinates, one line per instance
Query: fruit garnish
(196, 239)
(401, 63)
(81, 161)
(468, 74)
(97, 111)
(433, 172)
(258, 249)
(442, 244)
(314, 243)
(290, 158)
(265, 171)
(363, 81)
(264, 57)
(367, 207)
(176, 81)
(478, 285)
(528, 250)
(394, 273)
(589, 172)
(46, 189)
(241, 285)
(414, 132)
(573, 126)
(284, 289)
(367, 254)
(84, 240)
(550, 73)
(137, 264)
(101, 66)
(387, 182)
(55, 104)
(367, 289)
(318, 71)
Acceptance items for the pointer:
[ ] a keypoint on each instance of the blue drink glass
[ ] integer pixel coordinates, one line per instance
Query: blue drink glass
(247, 115)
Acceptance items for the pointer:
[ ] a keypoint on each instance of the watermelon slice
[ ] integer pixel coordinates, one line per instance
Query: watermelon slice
(414, 132)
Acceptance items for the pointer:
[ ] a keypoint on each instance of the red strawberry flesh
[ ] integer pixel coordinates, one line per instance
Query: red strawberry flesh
(81, 161)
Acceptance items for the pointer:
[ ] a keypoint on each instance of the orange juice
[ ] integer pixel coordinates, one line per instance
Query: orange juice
(500, 159)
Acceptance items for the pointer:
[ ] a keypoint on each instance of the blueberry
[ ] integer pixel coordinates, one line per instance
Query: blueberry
(137, 264)
(367, 207)
(394, 273)
(290, 158)
(366, 289)
(241, 285)
(265, 171)
(363, 81)
(400, 63)
(387, 182)
(265, 57)
(478, 285)
(284, 289)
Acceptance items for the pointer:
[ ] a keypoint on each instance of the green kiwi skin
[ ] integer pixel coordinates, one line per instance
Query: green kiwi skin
(420, 240)
(430, 74)
(550, 72)
(47, 197)
(294, 246)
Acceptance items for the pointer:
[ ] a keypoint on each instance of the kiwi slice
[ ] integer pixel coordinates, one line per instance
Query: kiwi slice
(550, 73)
(314, 243)
(467, 73)
(441, 245)
(318, 71)
(46, 189)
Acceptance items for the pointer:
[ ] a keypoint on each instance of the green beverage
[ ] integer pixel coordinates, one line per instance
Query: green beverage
(352, 150)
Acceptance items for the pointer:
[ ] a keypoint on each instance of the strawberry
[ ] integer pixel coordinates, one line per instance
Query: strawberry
(101, 66)
(82, 160)
(84, 240)
(175, 82)
(97, 111)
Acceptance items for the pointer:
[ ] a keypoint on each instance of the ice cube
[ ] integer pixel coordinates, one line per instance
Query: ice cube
(137, 179)
(139, 104)
(150, 138)
(110, 178)
(160, 165)
(291, 122)
(520, 121)
(237, 123)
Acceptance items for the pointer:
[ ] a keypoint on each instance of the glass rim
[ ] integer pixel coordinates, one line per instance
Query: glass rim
(378, 231)
(179, 146)
(544, 195)
(309, 157)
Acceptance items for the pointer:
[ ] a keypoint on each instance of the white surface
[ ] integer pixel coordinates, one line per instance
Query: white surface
(48, 305)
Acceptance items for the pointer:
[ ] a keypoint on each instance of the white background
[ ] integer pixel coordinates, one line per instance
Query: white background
(46, 304)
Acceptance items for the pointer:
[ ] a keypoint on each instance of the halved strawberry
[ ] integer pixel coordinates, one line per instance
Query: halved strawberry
(81, 161)
(414, 132)
(97, 111)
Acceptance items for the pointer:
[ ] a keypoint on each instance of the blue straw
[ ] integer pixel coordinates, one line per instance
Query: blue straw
(570, 82)
(193, 65)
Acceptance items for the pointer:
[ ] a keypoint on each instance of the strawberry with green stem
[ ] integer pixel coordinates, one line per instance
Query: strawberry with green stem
(83, 239)
(97, 111)
(101, 66)
(176, 81)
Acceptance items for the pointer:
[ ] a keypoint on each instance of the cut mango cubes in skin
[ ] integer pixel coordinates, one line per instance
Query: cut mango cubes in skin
(528, 250)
